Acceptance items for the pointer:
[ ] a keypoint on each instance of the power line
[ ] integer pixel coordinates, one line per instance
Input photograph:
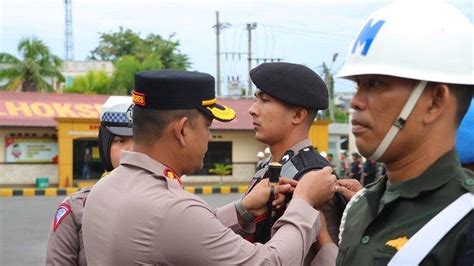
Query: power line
(305, 31)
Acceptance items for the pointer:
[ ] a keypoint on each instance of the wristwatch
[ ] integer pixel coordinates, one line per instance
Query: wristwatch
(246, 216)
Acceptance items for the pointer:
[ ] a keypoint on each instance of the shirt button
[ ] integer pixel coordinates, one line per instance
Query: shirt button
(365, 240)
(469, 182)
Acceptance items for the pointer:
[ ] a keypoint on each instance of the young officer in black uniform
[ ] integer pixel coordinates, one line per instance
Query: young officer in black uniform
(288, 98)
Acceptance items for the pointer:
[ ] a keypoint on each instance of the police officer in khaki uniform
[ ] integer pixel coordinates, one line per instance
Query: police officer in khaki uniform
(140, 213)
(65, 245)
(413, 65)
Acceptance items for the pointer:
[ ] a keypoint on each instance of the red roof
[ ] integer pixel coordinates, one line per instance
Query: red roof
(243, 121)
(33, 109)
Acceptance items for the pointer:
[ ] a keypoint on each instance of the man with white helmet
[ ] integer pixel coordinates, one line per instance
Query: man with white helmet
(413, 64)
(65, 245)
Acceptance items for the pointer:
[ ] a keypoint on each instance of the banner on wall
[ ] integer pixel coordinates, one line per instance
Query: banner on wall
(31, 150)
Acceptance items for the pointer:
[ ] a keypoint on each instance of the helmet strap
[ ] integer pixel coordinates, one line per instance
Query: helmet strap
(399, 123)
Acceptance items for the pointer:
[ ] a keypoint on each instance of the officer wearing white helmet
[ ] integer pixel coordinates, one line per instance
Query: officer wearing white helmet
(413, 65)
(65, 245)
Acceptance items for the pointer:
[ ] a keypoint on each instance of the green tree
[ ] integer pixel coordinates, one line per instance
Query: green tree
(333, 112)
(113, 46)
(91, 83)
(123, 78)
(329, 80)
(35, 71)
(341, 115)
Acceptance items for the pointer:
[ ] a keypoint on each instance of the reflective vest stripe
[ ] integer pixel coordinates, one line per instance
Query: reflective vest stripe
(423, 241)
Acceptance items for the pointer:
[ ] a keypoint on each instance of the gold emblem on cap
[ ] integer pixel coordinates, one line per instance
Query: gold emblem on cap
(209, 102)
(138, 98)
(227, 114)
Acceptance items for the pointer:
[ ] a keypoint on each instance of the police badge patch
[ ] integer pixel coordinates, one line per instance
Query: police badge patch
(63, 210)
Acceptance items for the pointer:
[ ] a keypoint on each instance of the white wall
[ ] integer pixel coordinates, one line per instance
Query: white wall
(244, 156)
(25, 174)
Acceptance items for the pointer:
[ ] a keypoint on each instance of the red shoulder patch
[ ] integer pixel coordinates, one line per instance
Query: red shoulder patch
(63, 210)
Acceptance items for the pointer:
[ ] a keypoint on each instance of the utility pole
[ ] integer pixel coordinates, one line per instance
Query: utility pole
(68, 37)
(219, 26)
(250, 27)
(218, 55)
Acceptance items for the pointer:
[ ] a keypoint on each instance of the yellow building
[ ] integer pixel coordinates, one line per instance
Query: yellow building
(47, 135)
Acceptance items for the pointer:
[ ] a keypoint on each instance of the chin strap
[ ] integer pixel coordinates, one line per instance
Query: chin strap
(400, 121)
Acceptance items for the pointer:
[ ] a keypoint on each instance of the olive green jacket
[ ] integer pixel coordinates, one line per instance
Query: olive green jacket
(383, 219)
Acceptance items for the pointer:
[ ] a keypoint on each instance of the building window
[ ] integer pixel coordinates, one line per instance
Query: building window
(86, 160)
(217, 152)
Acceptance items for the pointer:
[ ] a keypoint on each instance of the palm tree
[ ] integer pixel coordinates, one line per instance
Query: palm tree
(329, 80)
(32, 72)
(94, 81)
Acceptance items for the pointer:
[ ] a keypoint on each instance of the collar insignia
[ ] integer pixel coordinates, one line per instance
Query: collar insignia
(171, 175)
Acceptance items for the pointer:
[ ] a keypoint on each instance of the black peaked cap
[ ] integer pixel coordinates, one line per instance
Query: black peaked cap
(173, 89)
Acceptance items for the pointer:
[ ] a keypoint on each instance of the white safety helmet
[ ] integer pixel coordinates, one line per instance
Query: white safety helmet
(260, 155)
(421, 40)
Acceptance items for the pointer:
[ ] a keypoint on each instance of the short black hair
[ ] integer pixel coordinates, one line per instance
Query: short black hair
(311, 115)
(149, 124)
(463, 95)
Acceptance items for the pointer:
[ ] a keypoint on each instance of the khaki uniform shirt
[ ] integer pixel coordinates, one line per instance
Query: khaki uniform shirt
(137, 216)
(386, 217)
(65, 245)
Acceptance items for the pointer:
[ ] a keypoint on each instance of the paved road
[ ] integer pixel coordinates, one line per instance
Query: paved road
(24, 225)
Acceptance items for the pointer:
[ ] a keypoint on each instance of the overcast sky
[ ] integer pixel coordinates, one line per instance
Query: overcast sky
(305, 32)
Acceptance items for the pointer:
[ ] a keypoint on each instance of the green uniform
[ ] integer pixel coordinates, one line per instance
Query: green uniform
(388, 215)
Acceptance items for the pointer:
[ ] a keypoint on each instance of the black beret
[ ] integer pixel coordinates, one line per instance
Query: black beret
(173, 89)
(293, 84)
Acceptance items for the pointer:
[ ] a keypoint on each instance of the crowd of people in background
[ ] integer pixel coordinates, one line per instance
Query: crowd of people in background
(366, 171)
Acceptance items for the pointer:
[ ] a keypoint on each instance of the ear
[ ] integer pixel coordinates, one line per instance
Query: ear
(438, 102)
(180, 130)
(299, 115)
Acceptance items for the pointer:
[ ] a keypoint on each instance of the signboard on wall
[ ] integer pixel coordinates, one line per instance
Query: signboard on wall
(31, 150)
